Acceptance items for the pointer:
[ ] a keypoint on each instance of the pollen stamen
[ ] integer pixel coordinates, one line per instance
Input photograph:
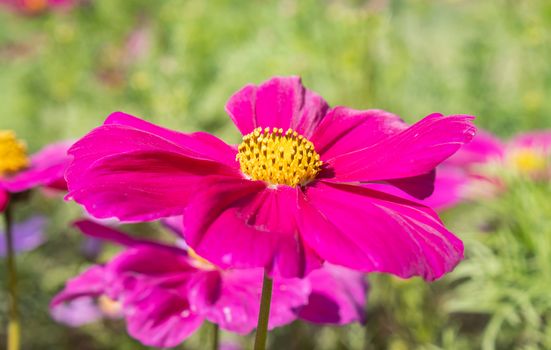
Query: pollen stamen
(13, 153)
(279, 158)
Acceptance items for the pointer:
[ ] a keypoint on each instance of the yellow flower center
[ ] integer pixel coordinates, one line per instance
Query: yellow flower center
(13, 153)
(109, 306)
(528, 160)
(278, 158)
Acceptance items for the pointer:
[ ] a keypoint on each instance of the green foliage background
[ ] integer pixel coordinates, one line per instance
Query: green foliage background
(62, 73)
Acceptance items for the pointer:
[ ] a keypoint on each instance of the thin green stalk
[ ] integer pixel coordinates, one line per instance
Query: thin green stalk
(14, 328)
(215, 336)
(264, 315)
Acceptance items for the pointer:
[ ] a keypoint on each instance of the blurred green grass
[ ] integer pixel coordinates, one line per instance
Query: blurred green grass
(62, 73)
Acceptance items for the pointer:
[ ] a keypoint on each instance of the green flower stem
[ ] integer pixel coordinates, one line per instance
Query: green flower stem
(264, 315)
(14, 329)
(215, 336)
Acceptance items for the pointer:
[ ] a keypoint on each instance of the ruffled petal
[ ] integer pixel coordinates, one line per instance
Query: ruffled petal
(281, 102)
(338, 296)
(345, 130)
(140, 185)
(415, 151)
(375, 232)
(125, 168)
(90, 283)
(151, 284)
(27, 235)
(47, 168)
(159, 317)
(242, 224)
(238, 306)
(199, 145)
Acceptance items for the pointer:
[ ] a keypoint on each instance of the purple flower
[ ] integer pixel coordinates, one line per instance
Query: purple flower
(27, 235)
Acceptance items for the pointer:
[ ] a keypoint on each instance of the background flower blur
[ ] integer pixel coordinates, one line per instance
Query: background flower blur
(64, 68)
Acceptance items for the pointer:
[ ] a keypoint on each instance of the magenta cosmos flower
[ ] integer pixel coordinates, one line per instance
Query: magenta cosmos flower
(19, 173)
(289, 196)
(165, 294)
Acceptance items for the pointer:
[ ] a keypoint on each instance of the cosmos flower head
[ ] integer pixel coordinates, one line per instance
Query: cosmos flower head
(164, 293)
(291, 195)
(529, 154)
(20, 172)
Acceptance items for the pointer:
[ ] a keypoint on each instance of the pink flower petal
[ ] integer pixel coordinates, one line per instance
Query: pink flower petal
(199, 145)
(141, 185)
(47, 167)
(4, 199)
(281, 102)
(412, 152)
(338, 296)
(345, 130)
(90, 283)
(374, 232)
(99, 231)
(159, 317)
(239, 223)
(239, 304)
(419, 187)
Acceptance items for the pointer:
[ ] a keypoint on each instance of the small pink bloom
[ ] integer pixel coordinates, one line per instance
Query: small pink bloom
(46, 168)
(165, 295)
(530, 154)
(289, 197)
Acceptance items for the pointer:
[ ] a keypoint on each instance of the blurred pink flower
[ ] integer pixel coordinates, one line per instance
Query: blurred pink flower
(289, 197)
(19, 174)
(530, 154)
(36, 6)
(165, 292)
